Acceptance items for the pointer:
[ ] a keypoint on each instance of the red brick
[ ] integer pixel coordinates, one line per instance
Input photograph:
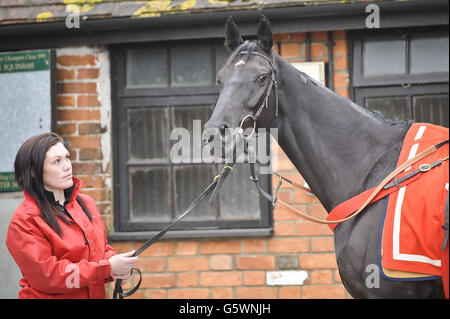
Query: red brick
(325, 244)
(285, 214)
(221, 262)
(86, 168)
(282, 37)
(220, 247)
(284, 164)
(254, 246)
(194, 293)
(155, 294)
(343, 92)
(159, 249)
(78, 115)
(299, 36)
(256, 293)
(187, 279)
(289, 50)
(222, 293)
(317, 261)
(77, 87)
(319, 36)
(188, 263)
(90, 154)
(321, 277)
(318, 50)
(226, 279)
(66, 100)
(339, 35)
(65, 74)
(158, 281)
(307, 228)
(302, 197)
(255, 262)
(88, 73)
(90, 128)
(340, 63)
(341, 80)
(76, 60)
(88, 100)
(288, 245)
(93, 181)
(99, 195)
(187, 248)
(155, 265)
(122, 247)
(340, 47)
(84, 142)
(323, 292)
(67, 129)
(290, 292)
(254, 278)
(284, 229)
(318, 211)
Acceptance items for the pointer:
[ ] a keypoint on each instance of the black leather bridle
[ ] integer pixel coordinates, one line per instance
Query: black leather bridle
(217, 183)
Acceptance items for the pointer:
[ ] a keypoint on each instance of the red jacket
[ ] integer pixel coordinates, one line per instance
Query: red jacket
(74, 266)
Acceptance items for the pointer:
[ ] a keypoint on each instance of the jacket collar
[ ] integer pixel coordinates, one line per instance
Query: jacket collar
(72, 191)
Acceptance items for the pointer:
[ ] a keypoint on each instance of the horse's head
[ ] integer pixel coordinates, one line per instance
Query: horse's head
(247, 84)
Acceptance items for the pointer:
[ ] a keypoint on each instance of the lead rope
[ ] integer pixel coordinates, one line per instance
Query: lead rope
(214, 187)
(278, 202)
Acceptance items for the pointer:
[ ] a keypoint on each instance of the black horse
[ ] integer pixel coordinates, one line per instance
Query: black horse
(340, 148)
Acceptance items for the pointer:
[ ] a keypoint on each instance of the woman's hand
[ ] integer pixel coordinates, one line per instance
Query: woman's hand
(121, 265)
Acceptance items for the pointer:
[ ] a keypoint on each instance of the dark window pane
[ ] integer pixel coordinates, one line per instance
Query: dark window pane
(147, 68)
(431, 109)
(239, 198)
(429, 55)
(147, 133)
(222, 55)
(191, 66)
(383, 57)
(184, 117)
(189, 182)
(394, 108)
(149, 194)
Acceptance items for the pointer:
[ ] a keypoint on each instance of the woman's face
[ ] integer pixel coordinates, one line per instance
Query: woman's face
(57, 172)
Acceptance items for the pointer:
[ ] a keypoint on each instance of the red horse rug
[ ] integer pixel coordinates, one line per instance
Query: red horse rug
(412, 237)
(414, 234)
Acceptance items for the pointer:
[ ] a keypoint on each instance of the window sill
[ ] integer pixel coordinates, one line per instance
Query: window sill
(180, 234)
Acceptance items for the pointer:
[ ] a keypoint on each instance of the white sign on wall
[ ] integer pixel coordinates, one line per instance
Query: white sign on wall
(25, 105)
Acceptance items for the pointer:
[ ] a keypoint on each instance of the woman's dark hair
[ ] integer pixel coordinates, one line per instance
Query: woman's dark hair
(28, 171)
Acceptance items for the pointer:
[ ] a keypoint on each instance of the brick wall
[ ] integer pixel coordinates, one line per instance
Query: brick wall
(300, 252)
(83, 119)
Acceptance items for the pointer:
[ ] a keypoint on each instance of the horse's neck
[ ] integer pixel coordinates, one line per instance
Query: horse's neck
(338, 147)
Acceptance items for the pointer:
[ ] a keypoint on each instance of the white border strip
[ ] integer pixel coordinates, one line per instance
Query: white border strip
(398, 213)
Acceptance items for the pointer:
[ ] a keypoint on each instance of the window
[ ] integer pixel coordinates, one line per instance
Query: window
(403, 74)
(160, 87)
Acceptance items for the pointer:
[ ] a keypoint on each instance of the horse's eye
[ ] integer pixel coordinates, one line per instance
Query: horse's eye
(262, 78)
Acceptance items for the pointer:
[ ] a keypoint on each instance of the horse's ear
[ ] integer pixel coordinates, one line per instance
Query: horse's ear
(264, 34)
(232, 37)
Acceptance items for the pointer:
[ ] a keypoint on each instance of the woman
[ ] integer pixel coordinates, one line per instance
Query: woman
(57, 236)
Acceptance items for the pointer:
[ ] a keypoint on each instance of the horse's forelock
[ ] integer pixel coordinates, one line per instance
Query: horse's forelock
(247, 46)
